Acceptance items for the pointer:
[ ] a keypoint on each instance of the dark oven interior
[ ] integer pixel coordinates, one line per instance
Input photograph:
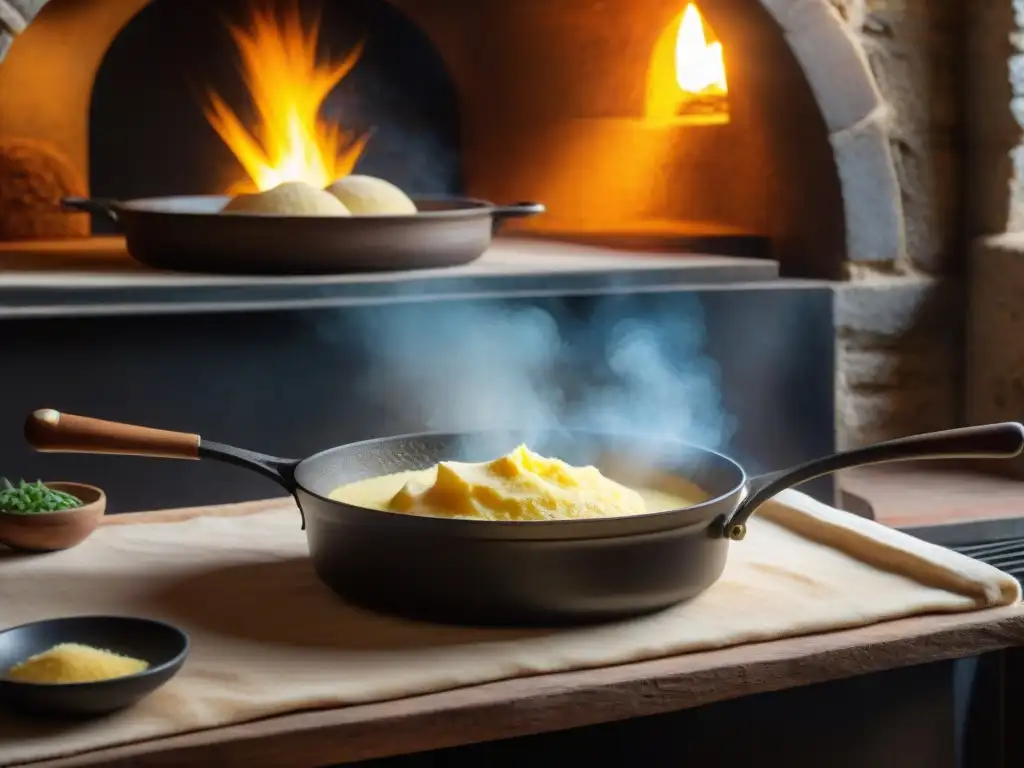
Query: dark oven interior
(164, 63)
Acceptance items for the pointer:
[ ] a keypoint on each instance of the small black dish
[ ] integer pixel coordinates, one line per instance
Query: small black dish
(162, 645)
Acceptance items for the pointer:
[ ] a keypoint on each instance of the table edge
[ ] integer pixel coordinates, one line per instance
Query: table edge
(524, 706)
(530, 705)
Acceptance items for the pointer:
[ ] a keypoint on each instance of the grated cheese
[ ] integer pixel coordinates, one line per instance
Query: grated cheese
(74, 663)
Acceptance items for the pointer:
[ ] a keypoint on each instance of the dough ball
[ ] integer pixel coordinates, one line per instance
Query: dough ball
(370, 196)
(292, 198)
(34, 176)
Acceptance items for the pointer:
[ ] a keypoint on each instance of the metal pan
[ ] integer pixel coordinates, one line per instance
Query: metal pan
(190, 234)
(514, 573)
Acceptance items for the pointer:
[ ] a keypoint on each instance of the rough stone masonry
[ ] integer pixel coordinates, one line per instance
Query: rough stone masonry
(995, 343)
(899, 328)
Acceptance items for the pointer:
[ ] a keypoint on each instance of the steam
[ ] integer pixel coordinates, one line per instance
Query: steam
(466, 368)
(653, 389)
(621, 367)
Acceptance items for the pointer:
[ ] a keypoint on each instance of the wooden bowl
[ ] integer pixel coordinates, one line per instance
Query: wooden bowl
(51, 531)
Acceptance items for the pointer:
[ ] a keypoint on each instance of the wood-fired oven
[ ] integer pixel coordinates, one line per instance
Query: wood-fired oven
(602, 109)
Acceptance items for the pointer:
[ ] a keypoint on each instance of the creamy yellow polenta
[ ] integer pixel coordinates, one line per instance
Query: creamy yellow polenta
(521, 486)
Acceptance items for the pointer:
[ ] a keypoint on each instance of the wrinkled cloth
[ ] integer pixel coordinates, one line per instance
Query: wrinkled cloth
(268, 638)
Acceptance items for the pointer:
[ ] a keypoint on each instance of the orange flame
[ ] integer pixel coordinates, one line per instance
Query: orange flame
(700, 66)
(288, 87)
(686, 77)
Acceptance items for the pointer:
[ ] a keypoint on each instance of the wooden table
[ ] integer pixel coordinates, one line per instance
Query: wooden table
(569, 700)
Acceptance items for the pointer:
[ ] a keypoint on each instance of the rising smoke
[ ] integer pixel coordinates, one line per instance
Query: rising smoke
(625, 365)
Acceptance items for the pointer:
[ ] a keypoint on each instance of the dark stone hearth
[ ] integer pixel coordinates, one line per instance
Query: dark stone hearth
(293, 383)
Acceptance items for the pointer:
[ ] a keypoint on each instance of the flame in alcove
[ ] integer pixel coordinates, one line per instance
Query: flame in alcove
(700, 66)
(686, 79)
(288, 86)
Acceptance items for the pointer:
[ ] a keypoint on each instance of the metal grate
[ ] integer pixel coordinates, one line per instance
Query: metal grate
(1006, 555)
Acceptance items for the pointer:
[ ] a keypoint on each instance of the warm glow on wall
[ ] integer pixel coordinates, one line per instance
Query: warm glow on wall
(686, 80)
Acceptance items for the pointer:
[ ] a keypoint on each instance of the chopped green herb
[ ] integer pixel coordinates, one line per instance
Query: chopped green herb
(33, 498)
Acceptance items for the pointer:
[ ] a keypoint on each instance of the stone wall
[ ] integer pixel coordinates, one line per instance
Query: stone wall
(995, 103)
(995, 343)
(14, 17)
(899, 332)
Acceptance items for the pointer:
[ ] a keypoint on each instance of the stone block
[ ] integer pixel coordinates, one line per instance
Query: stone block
(927, 179)
(912, 367)
(871, 193)
(994, 88)
(833, 62)
(995, 336)
(27, 8)
(13, 20)
(852, 12)
(869, 417)
(14, 16)
(995, 341)
(895, 308)
(910, 48)
(897, 358)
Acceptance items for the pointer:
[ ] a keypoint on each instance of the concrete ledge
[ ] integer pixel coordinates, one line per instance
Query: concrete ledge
(95, 277)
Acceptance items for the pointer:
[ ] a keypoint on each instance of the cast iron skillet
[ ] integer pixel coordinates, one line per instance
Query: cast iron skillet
(481, 572)
(190, 234)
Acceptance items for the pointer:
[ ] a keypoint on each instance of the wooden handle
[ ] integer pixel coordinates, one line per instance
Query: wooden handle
(51, 431)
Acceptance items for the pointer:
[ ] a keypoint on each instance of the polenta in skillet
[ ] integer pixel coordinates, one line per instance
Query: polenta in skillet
(520, 486)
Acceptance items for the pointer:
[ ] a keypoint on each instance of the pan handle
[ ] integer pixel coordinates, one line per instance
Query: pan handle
(513, 211)
(995, 441)
(98, 206)
(51, 431)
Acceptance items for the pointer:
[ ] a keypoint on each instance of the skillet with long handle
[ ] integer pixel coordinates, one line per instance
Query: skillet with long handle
(514, 573)
(189, 233)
